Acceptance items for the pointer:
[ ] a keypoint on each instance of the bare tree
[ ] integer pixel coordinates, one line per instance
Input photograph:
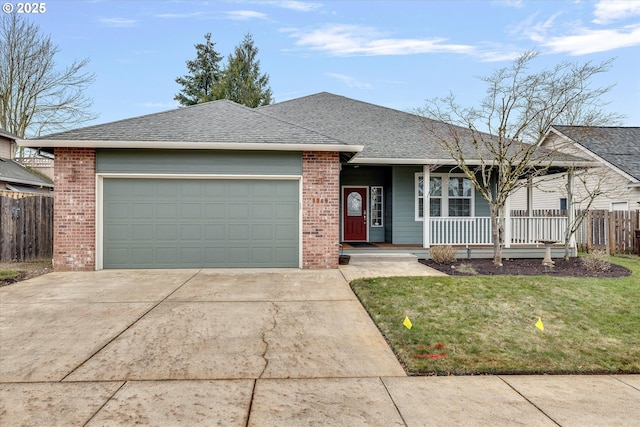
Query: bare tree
(37, 96)
(518, 109)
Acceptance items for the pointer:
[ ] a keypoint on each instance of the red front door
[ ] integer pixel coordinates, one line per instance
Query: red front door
(354, 214)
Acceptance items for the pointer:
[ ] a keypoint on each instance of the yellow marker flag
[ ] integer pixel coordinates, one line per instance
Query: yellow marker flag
(539, 324)
(407, 322)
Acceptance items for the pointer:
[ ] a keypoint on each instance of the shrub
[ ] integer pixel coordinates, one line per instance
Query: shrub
(443, 254)
(597, 260)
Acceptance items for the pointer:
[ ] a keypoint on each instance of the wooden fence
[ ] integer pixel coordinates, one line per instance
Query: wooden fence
(26, 227)
(612, 231)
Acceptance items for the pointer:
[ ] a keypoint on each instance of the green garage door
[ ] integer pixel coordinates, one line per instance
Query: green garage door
(185, 223)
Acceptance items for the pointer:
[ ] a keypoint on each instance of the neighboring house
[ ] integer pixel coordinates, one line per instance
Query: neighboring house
(222, 185)
(615, 183)
(14, 177)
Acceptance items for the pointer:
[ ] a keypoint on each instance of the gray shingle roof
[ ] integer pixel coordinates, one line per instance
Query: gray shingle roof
(384, 132)
(12, 171)
(620, 146)
(8, 135)
(217, 122)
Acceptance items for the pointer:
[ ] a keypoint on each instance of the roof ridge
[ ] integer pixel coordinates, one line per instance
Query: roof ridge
(128, 119)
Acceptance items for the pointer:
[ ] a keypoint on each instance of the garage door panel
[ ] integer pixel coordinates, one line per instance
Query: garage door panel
(142, 211)
(239, 210)
(143, 232)
(191, 232)
(166, 232)
(215, 232)
(173, 223)
(262, 232)
(213, 211)
(238, 232)
(118, 211)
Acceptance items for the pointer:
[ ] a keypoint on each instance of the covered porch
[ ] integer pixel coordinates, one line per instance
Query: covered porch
(410, 208)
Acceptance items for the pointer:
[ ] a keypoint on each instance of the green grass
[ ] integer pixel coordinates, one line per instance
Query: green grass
(486, 324)
(8, 274)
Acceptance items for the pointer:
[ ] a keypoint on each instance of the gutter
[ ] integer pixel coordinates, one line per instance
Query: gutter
(252, 146)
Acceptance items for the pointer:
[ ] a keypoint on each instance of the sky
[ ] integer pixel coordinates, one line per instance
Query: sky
(396, 54)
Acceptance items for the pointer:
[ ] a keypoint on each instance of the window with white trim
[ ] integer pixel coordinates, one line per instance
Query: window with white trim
(456, 201)
(619, 206)
(376, 206)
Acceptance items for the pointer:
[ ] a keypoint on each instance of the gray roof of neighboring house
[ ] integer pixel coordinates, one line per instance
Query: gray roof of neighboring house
(13, 172)
(620, 146)
(216, 122)
(8, 135)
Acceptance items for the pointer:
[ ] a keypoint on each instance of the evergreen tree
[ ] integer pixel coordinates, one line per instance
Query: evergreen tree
(241, 80)
(204, 74)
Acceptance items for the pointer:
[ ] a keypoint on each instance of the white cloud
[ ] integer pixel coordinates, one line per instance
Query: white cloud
(295, 5)
(245, 15)
(607, 11)
(300, 6)
(510, 3)
(119, 22)
(353, 40)
(586, 41)
(350, 81)
(180, 15)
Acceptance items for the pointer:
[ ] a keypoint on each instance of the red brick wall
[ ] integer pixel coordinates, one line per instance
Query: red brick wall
(74, 214)
(320, 209)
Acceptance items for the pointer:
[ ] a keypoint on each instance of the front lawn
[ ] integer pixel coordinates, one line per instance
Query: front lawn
(487, 324)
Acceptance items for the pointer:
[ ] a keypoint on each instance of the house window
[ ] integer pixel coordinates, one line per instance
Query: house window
(376, 206)
(563, 204)
(354, 204)
(460, 191)
(619, 206)
(456, 201)
(435, 196)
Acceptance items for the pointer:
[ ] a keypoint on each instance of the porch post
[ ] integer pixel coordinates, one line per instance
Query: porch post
(507, 222)
(426, 193)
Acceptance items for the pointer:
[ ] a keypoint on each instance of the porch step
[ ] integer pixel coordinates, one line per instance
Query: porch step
(382, 257)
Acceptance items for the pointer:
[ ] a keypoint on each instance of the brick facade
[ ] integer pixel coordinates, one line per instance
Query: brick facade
(74, 217)
(321, 210)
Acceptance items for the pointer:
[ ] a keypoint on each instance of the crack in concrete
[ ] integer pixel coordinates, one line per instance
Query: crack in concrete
(274, 324)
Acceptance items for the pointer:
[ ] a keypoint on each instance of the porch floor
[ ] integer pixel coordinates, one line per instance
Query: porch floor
(462, 251)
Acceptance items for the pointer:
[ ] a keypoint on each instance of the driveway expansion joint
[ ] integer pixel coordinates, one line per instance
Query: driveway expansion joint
(130, 325)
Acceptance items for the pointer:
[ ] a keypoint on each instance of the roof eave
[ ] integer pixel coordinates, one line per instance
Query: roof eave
(26, 182)
(252, 146)
(452, 162)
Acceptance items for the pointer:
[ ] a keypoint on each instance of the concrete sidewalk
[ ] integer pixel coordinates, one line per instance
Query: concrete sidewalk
(257, 347)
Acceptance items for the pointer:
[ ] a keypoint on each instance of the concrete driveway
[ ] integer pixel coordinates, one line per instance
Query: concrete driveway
(253, 347)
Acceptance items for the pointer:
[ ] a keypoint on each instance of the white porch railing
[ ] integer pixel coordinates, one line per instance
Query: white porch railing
(460, 231)
(477, 230)
(529, 230)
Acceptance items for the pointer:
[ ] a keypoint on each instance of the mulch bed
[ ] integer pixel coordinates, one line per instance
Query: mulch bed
(525, 267)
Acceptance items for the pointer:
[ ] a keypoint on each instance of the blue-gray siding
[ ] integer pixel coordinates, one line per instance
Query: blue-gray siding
(198, 162)
(406, 230)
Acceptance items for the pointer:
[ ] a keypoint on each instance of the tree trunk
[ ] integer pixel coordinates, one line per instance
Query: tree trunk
(497, 233)
(570, 218)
